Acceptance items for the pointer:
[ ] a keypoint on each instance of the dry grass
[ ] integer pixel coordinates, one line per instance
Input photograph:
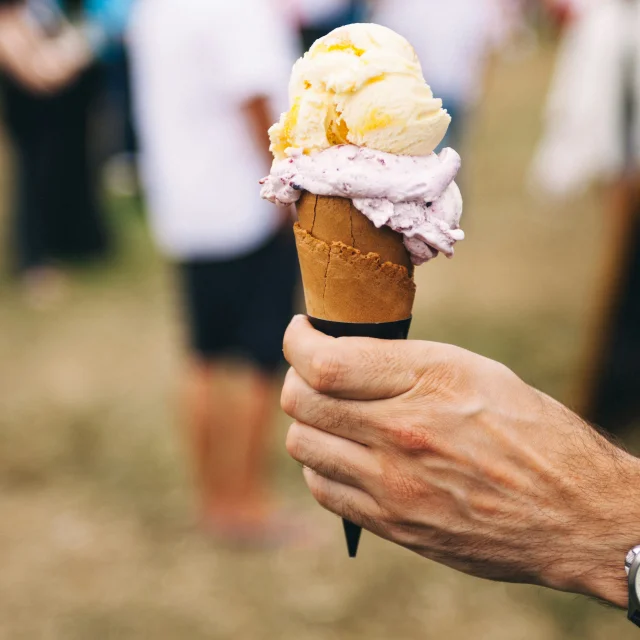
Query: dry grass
(95, 539)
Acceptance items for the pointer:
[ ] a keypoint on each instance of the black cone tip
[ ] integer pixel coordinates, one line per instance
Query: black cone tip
(352, 534)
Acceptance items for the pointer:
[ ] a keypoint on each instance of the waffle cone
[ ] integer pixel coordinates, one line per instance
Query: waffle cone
(351, 271)
(337, 220)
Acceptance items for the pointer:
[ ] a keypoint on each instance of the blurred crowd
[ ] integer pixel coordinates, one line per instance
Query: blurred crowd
(182, 92)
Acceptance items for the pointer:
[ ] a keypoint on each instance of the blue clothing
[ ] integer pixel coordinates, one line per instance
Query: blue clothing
(111, 15)
(106, 20)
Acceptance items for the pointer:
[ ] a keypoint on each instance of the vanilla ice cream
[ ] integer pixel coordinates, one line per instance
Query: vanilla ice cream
(363, 126)
(362, 84)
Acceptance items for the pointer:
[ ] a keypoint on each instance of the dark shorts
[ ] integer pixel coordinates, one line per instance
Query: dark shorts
(242, 306)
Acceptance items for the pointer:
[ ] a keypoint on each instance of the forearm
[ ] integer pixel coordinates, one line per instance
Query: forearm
(259, 118)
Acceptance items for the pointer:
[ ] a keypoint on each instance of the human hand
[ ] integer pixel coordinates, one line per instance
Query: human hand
(41, 64)
(453, 456)
(56, 62)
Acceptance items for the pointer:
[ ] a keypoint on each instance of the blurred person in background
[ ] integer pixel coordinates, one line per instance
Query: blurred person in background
(50, 81)
(204, 79)
(592, 134)
(104, 24)
(453, 40)
(107, 22)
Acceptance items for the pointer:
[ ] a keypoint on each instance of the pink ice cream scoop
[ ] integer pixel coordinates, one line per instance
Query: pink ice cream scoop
(413, 195)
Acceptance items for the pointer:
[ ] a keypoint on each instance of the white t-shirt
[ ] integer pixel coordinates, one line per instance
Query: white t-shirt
(195, 62)
(451, 38)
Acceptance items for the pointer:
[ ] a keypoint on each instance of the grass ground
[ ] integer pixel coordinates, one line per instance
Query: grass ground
(95, 534)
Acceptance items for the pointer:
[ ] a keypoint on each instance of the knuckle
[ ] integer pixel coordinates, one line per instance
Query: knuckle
(413, 437)
(444, 379)
(341, 505)
(500, 372)
(293, 442)
(445, 375)
(289, 399)
(326, 371)
(319, 490)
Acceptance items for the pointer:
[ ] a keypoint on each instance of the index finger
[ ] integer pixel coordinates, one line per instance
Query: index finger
(352, 368)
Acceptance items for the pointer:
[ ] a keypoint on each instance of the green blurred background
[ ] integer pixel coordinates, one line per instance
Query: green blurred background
(95, 533)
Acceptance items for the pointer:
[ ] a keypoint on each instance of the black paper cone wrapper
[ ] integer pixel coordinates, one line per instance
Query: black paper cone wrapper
(383, 331)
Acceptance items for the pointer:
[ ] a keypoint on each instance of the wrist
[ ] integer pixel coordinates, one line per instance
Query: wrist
(608, 580)
(606, 531)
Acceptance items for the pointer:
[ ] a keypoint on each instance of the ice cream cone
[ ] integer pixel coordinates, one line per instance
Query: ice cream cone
(337, 220)
(351, 137)
(351, 271)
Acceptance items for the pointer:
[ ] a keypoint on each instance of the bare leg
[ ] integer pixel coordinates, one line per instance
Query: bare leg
(228, 415)
(199, 423)
(259, 414)
(238, 495)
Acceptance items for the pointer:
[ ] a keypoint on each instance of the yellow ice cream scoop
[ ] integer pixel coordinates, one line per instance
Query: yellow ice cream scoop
(361, 84)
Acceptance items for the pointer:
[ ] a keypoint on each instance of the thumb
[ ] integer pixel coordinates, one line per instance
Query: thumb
(353, 368)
